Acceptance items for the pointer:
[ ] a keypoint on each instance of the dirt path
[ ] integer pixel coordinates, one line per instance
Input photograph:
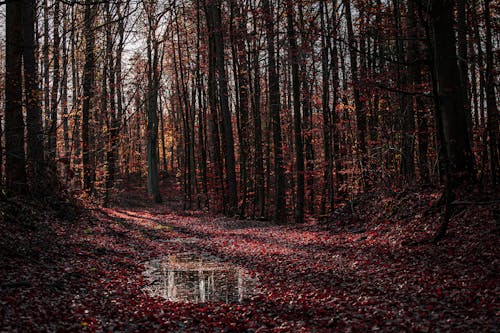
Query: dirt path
(87, 275)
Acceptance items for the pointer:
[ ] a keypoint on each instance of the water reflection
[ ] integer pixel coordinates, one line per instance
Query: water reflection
(194, 278)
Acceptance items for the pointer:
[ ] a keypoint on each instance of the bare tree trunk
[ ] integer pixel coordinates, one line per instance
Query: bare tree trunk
(415, 80)
(34, 147)
(64, 100)
(449, 93)
(294, 58)
(111, 122)
(259, 198)
(88, 93)
(243, 94)
(328, 190)
(463, 61)
(358, 103)
(202, 114)
(75, 80)
(213, 118)
(308, 113)
(214, 13)
(15, 171)
(492, 111)
(274, 108)
(52, 132)
(119, 84)
(152, 105)
(406, 108)
(46, 65)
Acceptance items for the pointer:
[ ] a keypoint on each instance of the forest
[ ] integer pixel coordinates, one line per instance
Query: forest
(249, 165)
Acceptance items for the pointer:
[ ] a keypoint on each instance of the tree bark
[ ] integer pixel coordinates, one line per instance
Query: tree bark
(449, 92)
(34, 147)
(54, 102)
(294, 58)
(358, 103)
(153, 77)
(15, 171)
(88, 93)
(274, 108)
(491, 102)
(259, 199)
(214, 12)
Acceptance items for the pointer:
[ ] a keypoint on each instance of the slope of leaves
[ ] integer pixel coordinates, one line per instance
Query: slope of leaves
(350, 273)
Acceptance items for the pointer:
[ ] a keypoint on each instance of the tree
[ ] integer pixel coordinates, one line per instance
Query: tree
(34, 147)
(294, 57)
(214, 14)
(54, 98)
(358, 102)
(449, 93)
(15, 170)
(153, 77)
(87, 94)
(274, 108)
(259, 198)
(491, 99)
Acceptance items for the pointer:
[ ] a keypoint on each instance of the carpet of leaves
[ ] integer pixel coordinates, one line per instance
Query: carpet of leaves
(348, 273)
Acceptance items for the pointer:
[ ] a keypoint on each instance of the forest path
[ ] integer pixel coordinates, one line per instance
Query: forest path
(88, 275)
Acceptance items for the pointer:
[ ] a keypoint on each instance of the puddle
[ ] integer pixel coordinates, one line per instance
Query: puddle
(193, 278)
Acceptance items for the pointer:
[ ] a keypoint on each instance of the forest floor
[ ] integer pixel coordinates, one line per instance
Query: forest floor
(74, 269)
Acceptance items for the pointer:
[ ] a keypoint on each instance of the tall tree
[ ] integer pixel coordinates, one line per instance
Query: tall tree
(54, 97)
(153, 77)
(34, 147)
(358, 102)
(415, 81)
(213, 118)
(274, 109)
(15, 171)
(294, 58)
(87, 94)
(449, 92)
(214, 14)
(328, 190)
(259, 201)
(491, 98)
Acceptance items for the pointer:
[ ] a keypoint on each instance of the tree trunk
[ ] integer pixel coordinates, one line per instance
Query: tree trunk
(358, 103)
(449, 93)
(294, 58)
(152, 113)
(214, 12)
(491, 104)
(243, 94)
(64, 101)
(54, 102)
(274, 109)
(213, 118)
(259, 199)
(35, 152)
(88, 93)
(46, 65)
(327, 199)
(112, 124)
(415, 81)
(15, 171)
(463, 61)
(406, 108)
(75, 80)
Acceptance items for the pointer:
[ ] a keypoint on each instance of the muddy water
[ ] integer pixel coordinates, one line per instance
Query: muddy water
(198, 278)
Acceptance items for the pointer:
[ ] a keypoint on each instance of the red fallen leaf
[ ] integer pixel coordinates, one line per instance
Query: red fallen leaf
(439, 292)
